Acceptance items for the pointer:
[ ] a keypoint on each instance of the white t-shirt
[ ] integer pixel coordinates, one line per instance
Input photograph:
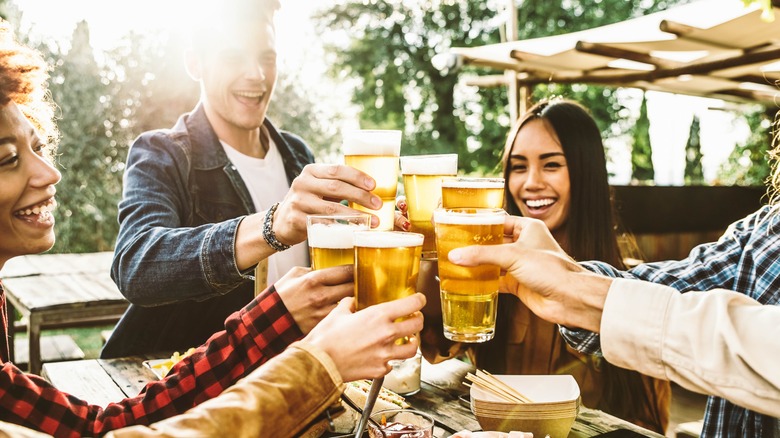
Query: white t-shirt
(267, 183)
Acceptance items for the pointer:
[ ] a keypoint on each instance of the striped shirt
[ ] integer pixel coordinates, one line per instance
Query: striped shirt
(745, 259)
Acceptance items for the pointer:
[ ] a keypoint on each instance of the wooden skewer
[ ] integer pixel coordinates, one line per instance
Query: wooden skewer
(490, 386)
(489, 389)
(490, 383)
(504, 386)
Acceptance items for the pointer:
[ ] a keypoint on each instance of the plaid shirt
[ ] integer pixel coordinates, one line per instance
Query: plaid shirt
(744, 259)
(259, 331)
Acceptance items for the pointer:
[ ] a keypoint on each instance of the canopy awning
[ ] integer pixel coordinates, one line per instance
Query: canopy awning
(710, 48)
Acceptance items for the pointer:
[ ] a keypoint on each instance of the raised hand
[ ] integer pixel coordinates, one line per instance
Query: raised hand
(310, 295)
(362, 343)
(541, 274)
(319, 189)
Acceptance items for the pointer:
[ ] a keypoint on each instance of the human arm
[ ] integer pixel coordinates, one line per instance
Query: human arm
(185, 231)
(259, 331)
(712, 342)
(292, 389)
(718, 342)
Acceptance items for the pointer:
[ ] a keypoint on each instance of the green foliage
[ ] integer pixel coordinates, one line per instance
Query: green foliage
(90, 156)
(749, 163)
(138, 86)
(694, 173)
(641, 152)
(389, 49)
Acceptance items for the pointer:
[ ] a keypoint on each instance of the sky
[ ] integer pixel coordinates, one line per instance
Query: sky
(299, 51)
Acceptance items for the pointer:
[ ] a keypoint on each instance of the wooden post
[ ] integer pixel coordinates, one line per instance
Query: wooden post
(516, 100)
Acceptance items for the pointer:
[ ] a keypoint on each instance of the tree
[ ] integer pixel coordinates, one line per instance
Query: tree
(641, 152)
(749, 163)
(139, 85)
(390, 44)
(694, 174)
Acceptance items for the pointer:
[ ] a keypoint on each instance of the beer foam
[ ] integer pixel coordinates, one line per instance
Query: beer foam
(372, 142)
(474, 217)
(336, 236)
(387, 239)
(473, 183)
(443, 164)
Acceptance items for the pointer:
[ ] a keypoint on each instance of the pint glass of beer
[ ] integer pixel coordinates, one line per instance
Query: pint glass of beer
(376, 152)
(465, 192)
(469, 295)
(422, 175)
(331, 238)
(387, 264)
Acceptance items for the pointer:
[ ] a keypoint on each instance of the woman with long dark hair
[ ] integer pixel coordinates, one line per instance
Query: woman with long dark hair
(555, 170)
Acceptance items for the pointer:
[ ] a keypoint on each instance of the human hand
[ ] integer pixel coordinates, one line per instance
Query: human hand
(310, 295)
(319, 189)
(542, 275)
(361, 343)
(402, 214)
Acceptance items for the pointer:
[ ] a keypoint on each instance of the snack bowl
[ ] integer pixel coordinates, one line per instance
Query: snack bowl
(555, 401)
(401, 423)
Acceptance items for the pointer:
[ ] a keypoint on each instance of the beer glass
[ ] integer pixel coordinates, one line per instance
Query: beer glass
(469, 295)
(376, 152)
(387, 264)
(331, 238)
(466, 192)
(422, 175)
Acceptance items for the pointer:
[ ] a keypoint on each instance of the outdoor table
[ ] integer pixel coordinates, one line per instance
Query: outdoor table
(102, 381)
(60, 290)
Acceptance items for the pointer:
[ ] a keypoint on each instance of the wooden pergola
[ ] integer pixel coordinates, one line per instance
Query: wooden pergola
(709, 48)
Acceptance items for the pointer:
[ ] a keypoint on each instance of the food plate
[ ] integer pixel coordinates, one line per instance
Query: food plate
(158, 367)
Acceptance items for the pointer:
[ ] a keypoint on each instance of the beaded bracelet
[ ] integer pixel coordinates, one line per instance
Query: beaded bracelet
(268, 231)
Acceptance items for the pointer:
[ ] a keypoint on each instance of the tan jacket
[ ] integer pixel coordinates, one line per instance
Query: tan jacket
(720, 342)
(278, 399)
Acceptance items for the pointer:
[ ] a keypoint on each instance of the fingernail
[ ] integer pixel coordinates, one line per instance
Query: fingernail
(455, 255)
(369, 183)
(376, 202)
(407, 225)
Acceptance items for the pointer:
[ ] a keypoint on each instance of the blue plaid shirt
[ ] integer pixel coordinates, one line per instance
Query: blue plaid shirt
(745, 259)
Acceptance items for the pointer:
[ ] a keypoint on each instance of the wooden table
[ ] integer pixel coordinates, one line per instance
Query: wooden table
(60, 290)
(101, 381)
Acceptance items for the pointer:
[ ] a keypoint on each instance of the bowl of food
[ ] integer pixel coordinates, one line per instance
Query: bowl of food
(400, 423)
(550, 409)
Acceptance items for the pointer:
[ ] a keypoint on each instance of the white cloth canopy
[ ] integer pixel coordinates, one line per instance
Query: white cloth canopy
(711, 48)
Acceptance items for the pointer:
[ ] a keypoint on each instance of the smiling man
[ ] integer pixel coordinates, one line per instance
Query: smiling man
(220, 193)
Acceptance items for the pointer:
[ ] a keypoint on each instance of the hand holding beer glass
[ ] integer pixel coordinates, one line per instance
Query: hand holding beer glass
(469, 295)
(422, 175)
(376, 152)
(331, 240)
(387, 264)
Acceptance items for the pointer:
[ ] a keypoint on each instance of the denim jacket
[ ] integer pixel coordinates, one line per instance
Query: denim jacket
(174, 258)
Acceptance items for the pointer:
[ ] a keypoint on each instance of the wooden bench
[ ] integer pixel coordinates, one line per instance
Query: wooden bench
(55, 348)
(57, 291)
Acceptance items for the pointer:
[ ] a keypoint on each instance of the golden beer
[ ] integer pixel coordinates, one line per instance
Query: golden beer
(375, 153)
(422, 175)
(469, 295)
(387, 264)
(472, 193)
(331, 238)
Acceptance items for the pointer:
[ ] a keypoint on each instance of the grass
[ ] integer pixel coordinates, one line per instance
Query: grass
(88, 339)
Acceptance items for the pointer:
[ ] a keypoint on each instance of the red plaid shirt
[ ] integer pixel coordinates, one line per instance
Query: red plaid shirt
(259, 331)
